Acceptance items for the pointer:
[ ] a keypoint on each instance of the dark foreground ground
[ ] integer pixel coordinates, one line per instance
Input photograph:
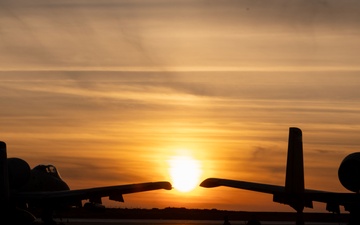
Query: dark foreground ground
(193, 214)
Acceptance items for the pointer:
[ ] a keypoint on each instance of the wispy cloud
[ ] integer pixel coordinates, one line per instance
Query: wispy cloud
(180, 35)
(111, 89)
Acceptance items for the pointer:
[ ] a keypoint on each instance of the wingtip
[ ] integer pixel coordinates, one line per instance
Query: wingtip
(167, 185)
(209, 183)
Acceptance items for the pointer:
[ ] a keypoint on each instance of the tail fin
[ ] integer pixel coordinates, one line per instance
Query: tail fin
(294, 193)
(4, 181)
(294, 181)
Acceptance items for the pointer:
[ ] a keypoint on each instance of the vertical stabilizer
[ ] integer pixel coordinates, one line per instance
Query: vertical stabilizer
(4, 182)
(294, 181)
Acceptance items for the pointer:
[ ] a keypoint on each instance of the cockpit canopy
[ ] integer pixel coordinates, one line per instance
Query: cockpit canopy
(49, 169)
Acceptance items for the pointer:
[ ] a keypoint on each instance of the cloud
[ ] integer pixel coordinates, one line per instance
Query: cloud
(178, 34)
(137, 80)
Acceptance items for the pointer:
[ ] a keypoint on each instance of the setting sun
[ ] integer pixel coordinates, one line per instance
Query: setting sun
(185, 173)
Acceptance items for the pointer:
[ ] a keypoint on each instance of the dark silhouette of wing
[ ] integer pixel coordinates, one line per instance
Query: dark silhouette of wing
(331, 198)
(73, 197)
(265, 188)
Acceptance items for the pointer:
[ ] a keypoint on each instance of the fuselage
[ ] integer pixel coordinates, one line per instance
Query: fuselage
(41, 179)
(45, 178)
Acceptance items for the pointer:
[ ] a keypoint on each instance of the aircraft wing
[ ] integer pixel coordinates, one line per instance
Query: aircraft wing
(333, 199)
(265, 188)
(73, 197)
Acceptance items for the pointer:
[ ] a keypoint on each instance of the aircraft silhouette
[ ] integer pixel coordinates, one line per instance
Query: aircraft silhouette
(294, 193)
(42, 187)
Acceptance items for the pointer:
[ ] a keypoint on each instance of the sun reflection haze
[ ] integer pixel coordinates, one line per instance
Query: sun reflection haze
(185, 172)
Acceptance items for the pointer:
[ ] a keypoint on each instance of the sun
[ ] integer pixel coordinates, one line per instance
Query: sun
(185, 173)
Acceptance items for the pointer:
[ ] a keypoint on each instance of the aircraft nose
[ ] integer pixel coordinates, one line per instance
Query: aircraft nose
(65, 187)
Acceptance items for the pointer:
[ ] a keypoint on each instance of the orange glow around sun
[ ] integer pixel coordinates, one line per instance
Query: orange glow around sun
(185, 173)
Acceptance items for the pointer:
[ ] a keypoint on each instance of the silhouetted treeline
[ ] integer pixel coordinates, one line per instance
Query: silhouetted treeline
(195, 214)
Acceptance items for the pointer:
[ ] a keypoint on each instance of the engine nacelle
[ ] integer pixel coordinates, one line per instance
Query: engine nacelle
(349, 172)
(19, 172)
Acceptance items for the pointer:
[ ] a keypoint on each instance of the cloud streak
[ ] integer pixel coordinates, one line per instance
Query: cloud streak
(111, 90)
(181, 35)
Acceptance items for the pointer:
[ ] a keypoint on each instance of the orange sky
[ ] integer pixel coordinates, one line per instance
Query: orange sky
(109, 92)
